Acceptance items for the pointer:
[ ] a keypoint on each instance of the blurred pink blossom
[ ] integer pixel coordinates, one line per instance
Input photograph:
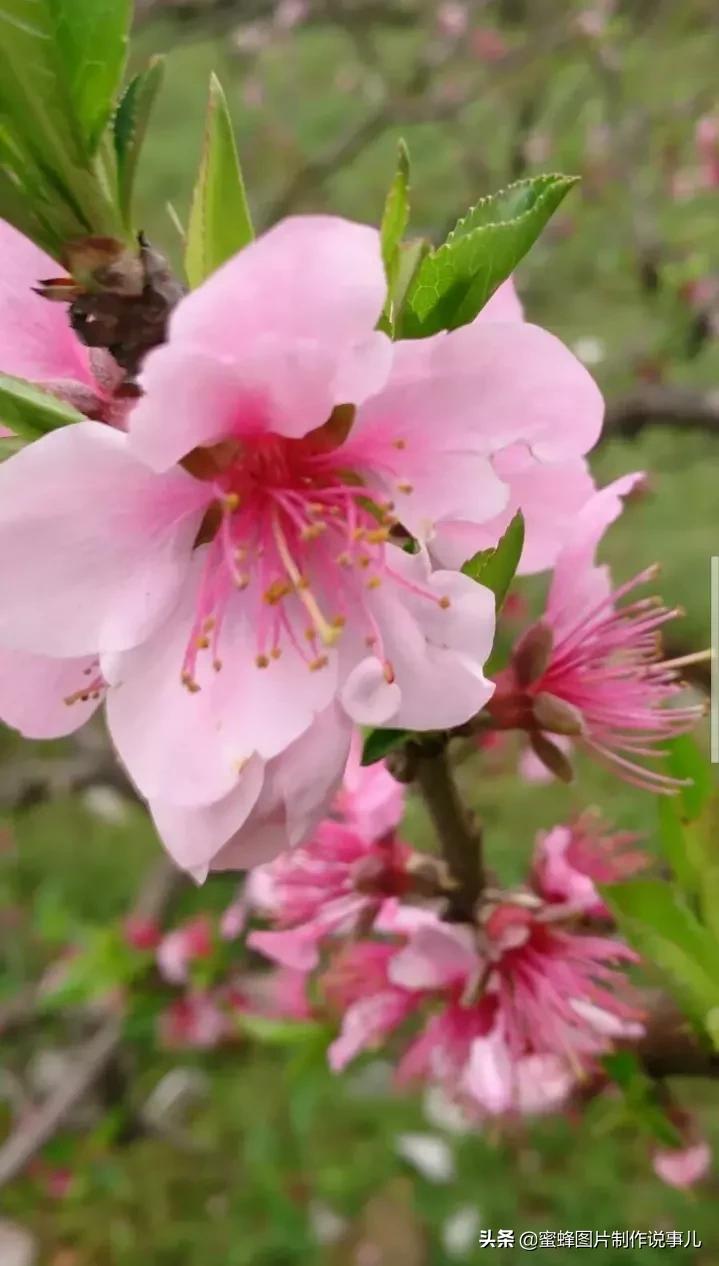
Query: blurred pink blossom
(683, 1167)
(182, 947)
(592, 669)
(194, 1020)
(370, 801)
(569, 861)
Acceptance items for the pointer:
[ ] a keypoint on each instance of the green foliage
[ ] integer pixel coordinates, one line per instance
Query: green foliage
(31, 412)
(667, 933)
(220, 223)
(641, 1097)
(130, 126)
(395, 219)
(379, 743)
(496, 568)
(61, 62)
(483, 249)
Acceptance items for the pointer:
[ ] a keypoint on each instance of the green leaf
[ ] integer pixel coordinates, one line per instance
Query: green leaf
(662, 927)
(9, 446)
(674, 844)
(60, 64)
(641, 1096)
(378, 743)
(280, 1032)
(130, 126)
(31, 412)
(91, 39)
(395, 217)
(455, 281)
(496, 568)
(686, 761)
(220, 223)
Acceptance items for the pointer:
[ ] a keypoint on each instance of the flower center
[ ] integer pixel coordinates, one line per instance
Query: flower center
(304, 539)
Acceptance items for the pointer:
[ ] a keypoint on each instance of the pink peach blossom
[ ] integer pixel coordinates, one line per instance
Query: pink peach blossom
(182, 947)
(682, 1167)
(234, 570)
(335, 883)
(569, 861)
(592, 668)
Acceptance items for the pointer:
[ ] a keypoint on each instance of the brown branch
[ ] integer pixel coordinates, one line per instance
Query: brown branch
(670, 1047)
(92, 1058)
(459, 839)
(661, 405)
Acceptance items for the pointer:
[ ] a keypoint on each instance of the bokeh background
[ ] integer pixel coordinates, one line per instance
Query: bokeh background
(250, 1153)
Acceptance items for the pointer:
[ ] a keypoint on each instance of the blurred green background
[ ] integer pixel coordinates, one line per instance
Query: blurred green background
(268, 1160)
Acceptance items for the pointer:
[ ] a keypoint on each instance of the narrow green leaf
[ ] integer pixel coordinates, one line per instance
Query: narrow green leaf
(455, 281)
(91, 38)
(220, 223)
(60, 64)
(674, 844)
(29, 411)
(378, 744)
(686, 761)
(496, 568)
(395, 217)
(281, 1032)
(662, 927)
(130, 126)
(66, 59)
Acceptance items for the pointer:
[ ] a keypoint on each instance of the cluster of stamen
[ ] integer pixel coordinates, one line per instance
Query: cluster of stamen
(297, 532)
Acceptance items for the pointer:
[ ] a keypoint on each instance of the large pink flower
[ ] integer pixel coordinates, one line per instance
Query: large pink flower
(231, 559)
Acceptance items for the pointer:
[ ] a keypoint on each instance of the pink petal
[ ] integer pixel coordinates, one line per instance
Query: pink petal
(542, 1083)
(489, 1075)
(37, 341)
(285, 386)
(505, 384)
(576, 583)
(505, 304)
(93, 545)
(549, 496)
(194, 835)
(33, 690)
(296, 947)
(683, 1167)
(436, 652)
(436, 956)
(312, 277)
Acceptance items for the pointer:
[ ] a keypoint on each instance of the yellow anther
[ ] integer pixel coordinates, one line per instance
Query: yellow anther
(344, 559)
(202, 644)
(399, 444)
(364, 560)
(275, 652)
(327, 634)
(378, 536)
(374, 582)
(209, 623)
(445, 602)
(310, 633)
(388, 671)
(278, 590)
(321, 662)
(231, 501)
(339, 621)
(405, 486)
(312, 531)
(262, 661)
